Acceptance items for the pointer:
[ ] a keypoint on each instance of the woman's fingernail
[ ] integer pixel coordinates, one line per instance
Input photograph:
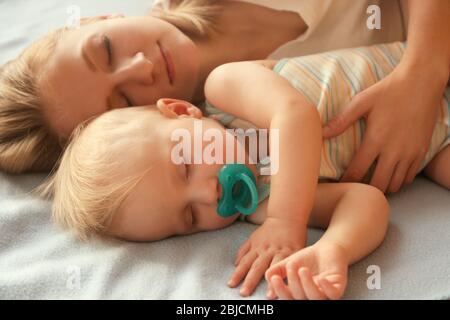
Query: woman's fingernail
(244, 292)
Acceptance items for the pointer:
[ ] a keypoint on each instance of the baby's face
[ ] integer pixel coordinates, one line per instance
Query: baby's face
(170, 199)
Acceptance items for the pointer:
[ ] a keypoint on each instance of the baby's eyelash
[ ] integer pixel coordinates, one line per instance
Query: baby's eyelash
(192, 216)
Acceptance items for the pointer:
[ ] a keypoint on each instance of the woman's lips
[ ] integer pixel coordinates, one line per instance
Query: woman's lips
(169, 63)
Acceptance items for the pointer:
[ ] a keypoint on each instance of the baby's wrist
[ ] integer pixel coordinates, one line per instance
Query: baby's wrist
(297, 222)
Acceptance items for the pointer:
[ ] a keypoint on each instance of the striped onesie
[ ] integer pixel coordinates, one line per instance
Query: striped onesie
(330, 80)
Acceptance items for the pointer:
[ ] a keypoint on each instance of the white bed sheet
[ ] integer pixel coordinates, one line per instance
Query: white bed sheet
(38, 261)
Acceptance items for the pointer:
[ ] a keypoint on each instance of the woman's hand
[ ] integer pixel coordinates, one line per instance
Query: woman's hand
(272, 242)
(400, 113)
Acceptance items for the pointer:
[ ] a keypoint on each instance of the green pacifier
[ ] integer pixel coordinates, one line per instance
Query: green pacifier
(239, 193)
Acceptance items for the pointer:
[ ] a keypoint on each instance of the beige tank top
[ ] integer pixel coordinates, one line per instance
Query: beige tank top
(336, 24)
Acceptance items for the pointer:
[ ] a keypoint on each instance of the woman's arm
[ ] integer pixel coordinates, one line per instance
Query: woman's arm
(428, 37)
(251, 91)
(401, 110)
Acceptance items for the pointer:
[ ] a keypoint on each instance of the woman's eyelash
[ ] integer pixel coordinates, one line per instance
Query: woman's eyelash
(108, 47)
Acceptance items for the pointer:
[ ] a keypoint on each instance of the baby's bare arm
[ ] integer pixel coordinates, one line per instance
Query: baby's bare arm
(354, 215)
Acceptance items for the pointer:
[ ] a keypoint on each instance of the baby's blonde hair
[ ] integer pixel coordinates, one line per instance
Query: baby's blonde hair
(27, 143)
(88, 185)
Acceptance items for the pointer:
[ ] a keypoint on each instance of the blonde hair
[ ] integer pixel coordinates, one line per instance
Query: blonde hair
(196, 18)
(87, 188)
(27, 143)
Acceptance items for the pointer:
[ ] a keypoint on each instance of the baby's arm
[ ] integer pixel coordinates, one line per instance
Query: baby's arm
(356, 218)
(251, 91)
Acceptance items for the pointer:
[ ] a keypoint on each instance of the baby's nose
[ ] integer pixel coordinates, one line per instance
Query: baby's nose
(212, 191)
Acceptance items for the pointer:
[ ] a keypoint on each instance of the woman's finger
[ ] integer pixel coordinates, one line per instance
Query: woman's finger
(361, 162)
(357, 108)
(386, 164)
(399, 176)
(414, 169)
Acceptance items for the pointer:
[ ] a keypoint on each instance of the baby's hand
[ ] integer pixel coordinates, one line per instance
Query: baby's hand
(273, 241)
(316, 273)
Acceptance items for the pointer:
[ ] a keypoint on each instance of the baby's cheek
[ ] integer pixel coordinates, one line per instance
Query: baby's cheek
(214, 221)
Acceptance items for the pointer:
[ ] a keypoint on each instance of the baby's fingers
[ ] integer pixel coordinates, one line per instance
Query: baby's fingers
(280, 288)
(242, 269)
(333, 292)
(277, 267)
(242, 252)
(310, 288)
(294, 282)
(255, 274)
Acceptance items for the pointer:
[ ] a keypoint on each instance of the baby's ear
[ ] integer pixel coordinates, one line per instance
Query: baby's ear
(174, 108)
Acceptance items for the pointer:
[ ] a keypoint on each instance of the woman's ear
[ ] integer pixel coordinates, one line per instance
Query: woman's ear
(173, 108)
(88, 20)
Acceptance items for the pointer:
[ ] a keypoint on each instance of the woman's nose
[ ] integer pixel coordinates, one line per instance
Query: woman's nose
(136, 69)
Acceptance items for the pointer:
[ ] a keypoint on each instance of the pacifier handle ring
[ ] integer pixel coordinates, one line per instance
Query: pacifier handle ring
(253, 193)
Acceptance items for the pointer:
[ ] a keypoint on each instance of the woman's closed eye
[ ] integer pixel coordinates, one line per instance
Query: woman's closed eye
(108, 47)
(107, 44)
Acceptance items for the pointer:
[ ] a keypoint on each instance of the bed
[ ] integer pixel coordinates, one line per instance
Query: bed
(38, 261)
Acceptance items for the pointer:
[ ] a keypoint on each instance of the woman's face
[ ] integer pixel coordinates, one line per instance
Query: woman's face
(114, 63)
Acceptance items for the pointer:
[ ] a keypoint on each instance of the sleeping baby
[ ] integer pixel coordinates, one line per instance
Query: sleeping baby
(126, 174)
